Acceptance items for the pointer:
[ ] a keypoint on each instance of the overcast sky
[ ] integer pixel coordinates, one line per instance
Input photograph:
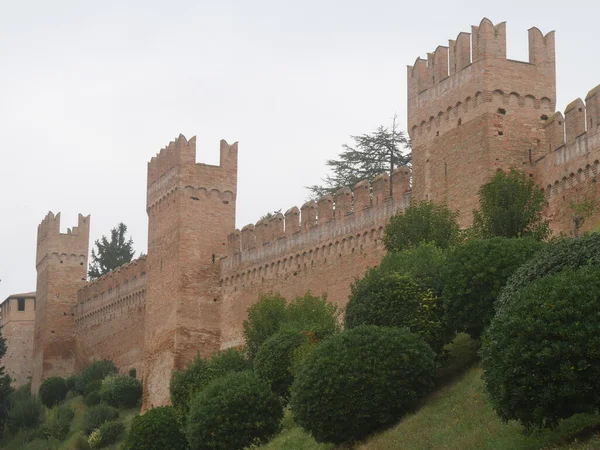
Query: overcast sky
(90, 91)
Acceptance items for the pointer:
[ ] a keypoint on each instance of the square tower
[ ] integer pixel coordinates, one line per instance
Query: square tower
(472, 111)
(191, 210)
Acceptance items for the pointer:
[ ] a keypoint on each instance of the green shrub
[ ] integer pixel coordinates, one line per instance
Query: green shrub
(96, 371)
(421, 223)
(53, 390)
(25, 411)
(361, 380)
(157, 429)
(392, 300)
(96, 416)
(92, 386)
(264, 319)
(475, 274)
(273, 362)
(200, 372)
(72, 383)
(311, 314)
(541, 355)
(108, 433)
(95, 439)
(424, 262)
(121, 391)
(233, 412)
(58, 422)
(559, 255)
(92, 399)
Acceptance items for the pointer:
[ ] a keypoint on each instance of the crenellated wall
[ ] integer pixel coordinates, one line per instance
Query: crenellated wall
(568, 171)
(321, 247)
(472, 111)
(110, 318)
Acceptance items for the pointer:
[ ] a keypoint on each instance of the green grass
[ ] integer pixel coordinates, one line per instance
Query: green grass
(75, 439)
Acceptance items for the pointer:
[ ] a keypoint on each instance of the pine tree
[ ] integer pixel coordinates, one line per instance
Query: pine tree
(370, 155)
(110, 254)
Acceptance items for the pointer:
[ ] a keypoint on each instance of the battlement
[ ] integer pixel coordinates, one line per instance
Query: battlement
(573, 144)
(175, 167)
(344, 213)
(476, 64)
(123, 281)
(51, 241)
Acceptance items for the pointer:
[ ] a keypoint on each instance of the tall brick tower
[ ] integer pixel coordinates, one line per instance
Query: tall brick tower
(61, 264)
(191, 209)
(472, 111)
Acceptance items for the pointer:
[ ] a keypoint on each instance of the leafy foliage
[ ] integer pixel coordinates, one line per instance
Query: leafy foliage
(25, 411)
(234, 411)
(275, 358)
(108, 433)
(58, 422)
(93, 398)
(96, 416)
(53, 390)
(5, 389)
(392, 300)
(270, 314)
(110, 254)
(121, 391)
(157, 429)
(580, 212)
(423, 222)
(199, 373)
(369, 156)
(359, 381)
(540, 354)
(475, 274)
(96, 371)
(556, 256)
(424, 262)
(511, 205)
(264, 319)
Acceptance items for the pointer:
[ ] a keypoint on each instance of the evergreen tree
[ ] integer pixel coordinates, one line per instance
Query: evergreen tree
(110, 254)
(370, 155)
(5, 388)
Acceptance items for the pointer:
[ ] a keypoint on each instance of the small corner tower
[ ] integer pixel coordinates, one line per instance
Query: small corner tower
(191, 210)
(61, 264)
(472, 111)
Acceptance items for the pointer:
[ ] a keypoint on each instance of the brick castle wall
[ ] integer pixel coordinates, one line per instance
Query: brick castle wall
(17, 329)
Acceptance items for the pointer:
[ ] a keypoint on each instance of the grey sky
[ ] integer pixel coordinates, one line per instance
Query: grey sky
(89, 91)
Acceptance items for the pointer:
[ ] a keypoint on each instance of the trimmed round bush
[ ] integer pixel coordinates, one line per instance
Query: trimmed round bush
(121, 391)
(273, 362)
(233, 412)
(53, 390)
(475, 274)
(361, 380)
(541, 355)
(96, 371)
(110, 432)
(96, 416)
(157, 429)
(58, 422)
(565, 253)
(92, 399)
(424, 262)
(92, 386)
(264, 320)
(389, 299)
(199, 373)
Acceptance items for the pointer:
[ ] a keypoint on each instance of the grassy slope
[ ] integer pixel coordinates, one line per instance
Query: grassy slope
(458, 417)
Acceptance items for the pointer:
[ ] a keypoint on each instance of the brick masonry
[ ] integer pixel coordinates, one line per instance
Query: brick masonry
(471, 111)
(17, 322)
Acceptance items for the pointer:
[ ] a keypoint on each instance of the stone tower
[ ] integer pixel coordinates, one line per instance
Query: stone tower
(61, 263)
(472, 111)
(191, 209)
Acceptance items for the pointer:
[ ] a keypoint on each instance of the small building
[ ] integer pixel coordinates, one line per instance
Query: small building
(17, 319)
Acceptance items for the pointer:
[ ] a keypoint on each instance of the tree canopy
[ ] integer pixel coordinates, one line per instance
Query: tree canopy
(111, 253)
(511, 205)
(368, 156)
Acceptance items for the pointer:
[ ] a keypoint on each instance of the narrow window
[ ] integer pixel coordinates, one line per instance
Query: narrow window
(501, 111)
(544, 117)
(21, 304)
